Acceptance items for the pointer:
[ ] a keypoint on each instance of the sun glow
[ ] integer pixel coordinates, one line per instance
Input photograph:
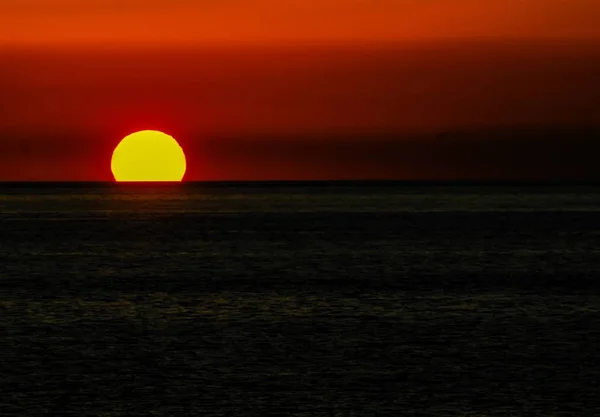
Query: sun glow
(149, 156)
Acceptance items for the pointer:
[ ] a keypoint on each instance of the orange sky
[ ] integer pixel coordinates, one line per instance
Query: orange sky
(239, 80)
(75, 22)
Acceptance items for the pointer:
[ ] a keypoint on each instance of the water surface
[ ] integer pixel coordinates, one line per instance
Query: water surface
(299, 300)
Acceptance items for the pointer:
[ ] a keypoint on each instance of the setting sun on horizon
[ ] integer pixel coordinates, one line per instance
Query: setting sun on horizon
(148, 156)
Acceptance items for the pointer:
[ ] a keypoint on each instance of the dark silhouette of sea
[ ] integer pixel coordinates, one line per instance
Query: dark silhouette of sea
(299, 299)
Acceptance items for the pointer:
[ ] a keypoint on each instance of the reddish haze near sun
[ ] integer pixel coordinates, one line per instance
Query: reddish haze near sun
(294, 89)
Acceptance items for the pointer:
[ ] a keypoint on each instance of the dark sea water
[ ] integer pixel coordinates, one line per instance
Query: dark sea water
(338, 300)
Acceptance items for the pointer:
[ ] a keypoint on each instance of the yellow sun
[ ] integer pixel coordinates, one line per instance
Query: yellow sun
(148, 155)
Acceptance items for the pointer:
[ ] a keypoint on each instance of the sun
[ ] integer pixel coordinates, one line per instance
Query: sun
(148, 155)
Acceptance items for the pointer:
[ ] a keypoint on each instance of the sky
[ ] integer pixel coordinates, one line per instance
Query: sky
(68, 22)
(283, 79)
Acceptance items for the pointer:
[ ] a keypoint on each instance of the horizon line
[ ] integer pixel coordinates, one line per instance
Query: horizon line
(298, 183)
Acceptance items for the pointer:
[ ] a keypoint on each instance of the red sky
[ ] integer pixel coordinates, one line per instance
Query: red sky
(76, 76)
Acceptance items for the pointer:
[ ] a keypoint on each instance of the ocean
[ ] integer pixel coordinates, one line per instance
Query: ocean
(299, 299)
